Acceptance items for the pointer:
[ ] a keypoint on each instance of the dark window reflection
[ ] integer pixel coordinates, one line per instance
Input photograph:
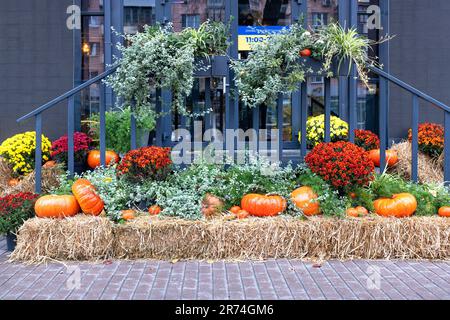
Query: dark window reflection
(264, 13)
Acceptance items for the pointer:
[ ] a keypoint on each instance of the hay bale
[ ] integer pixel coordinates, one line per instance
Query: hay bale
(318, 238)
(430, 170)
(280, 237)
(78, 238)
(27, 183)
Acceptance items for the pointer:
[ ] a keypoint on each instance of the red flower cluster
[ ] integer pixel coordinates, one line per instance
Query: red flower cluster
(81, 143)
(146, 163)
(431, 138)
(367, 140)
(15, 201)
(341, 163)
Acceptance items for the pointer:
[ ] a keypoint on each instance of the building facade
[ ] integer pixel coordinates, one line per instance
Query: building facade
(50, 46)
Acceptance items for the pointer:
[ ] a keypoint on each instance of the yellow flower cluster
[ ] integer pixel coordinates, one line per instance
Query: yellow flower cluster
(19, 150)
(315, 130)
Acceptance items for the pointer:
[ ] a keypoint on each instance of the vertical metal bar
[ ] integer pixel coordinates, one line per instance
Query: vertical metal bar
(38, 154)
(382, 124)
(102, 125)
(280, 126)
(159, 120)
(255, 121)
(447, 149)
(327, 85)
(353, 79)
(208, 116)
(415, 138)
(133, 127)
(304, 117)
(70, 132)
(384, 49)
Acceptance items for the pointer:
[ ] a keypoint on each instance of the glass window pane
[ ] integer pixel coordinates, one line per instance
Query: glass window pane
(191, 13)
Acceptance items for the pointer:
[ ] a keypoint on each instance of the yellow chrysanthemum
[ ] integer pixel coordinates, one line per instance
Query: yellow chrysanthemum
(315, 130)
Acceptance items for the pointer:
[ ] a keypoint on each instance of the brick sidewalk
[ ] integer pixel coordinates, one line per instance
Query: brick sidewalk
(273, 279)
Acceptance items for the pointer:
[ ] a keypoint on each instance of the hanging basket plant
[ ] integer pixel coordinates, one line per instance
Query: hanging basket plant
(159, 58)
(279, 64)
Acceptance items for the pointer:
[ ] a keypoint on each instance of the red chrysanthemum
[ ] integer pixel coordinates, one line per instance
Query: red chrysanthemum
(431, 138)
(341, 163)
(367, 140)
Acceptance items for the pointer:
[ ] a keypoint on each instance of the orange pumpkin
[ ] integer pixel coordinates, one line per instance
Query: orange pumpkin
(93, 159)
(154, 210)
(391, 157)
(242, 214)
(13, 182)
(87, 197)
(263, 205)
(400, 205)
(128, 214)
(352, 212)
(56, 206)
(357, 212)
(235, 209)
(303, 198)
(49, 164)
(444, 212)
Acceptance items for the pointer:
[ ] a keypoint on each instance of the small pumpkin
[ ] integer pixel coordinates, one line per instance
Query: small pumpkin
(391, 157)
(87, 197)
(49, 164)
(242, 214)
(399, 205)
(211, 205)
(352, 212)
(263, 205)
(235, 209)
(127, 214)
(13, 182)
(56, 206)
(362, 211)
(93, 159)
(305, 199)
(154, 210)
(444, 212)
(305, 53)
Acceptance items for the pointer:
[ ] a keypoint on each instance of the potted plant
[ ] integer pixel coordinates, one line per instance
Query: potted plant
(81, 143)
(14, 210)
(160, 59)
(117, 128)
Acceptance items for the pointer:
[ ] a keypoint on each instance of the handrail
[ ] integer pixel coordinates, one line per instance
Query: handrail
(409, 88)
(68, 94)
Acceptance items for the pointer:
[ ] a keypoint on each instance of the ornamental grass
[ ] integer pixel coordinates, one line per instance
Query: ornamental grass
(318, 238)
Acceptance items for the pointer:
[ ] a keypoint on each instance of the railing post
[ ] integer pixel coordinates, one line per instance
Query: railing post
(280, 127)
(133, 127)
(327, 86)
(383, 117)
(70, 132)
(415, 139)
(304, 117)
(255, 122)
(38, 154)
(102, 125)
(352, 92)
(447, 149)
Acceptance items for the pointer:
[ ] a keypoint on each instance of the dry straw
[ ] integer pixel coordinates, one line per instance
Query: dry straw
(85, 238)
(430, 170)
(27, 184)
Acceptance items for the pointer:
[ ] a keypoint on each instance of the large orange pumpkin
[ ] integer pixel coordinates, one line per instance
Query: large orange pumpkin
(56, 206)
(303, 198)
(93, 159)
(391, 157)
(444, 212)
(400, 205)
(87, 197)
(262, 205)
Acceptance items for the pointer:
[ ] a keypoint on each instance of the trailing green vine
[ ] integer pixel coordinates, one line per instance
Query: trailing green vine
(159, 58)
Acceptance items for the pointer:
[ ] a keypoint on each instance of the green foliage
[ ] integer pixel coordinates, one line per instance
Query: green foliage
(118, 133)
(159, 58)
(331, 203)
(429, 197)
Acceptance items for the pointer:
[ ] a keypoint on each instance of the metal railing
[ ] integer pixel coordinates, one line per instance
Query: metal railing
(37, 114)
(384, 121)
(299, 117)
